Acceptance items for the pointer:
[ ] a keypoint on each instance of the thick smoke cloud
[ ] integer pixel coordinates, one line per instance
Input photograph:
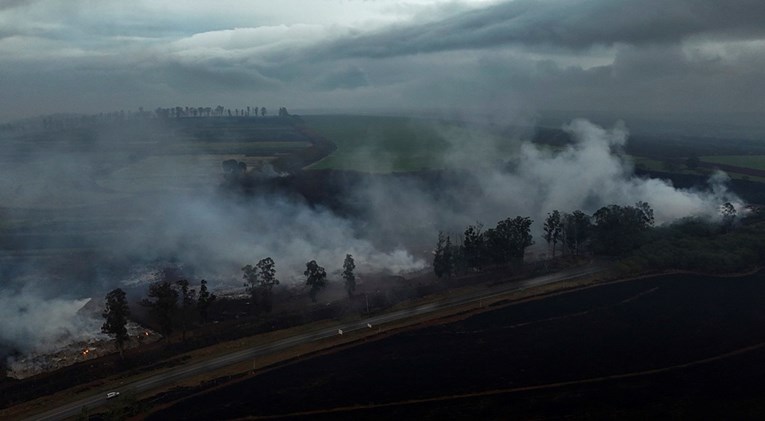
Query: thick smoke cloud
(587, 175)
(213, 234)
(32, 323)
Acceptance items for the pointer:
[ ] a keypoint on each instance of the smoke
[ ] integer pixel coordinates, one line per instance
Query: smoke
(217, 236)
(134, 208)
(31, 323)
(533, 180)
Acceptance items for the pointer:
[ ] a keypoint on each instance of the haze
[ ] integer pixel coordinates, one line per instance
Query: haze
(695, 64)
(681, 60)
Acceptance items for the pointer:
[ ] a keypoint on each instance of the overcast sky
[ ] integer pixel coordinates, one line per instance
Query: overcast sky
(678, 57)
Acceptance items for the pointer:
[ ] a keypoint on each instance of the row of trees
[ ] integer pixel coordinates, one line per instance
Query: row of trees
(612, 230)
(504, 244)
(167, 303)
(68, 121)
(219, 111)
(173, 304)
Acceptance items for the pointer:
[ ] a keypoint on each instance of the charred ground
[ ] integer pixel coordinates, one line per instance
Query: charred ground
(669, 342)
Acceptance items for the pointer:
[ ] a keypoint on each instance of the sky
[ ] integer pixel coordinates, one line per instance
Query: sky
(674, 59)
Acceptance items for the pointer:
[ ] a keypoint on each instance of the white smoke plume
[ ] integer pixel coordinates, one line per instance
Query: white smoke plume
(34, 324)
(590, 173)
(400, 216)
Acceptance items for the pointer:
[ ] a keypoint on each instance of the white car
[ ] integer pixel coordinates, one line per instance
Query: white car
(112, 395)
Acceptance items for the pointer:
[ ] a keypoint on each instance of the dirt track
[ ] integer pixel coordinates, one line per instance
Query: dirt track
(636, 344)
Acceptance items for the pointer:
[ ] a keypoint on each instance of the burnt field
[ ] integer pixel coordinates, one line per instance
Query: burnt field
(680, 344)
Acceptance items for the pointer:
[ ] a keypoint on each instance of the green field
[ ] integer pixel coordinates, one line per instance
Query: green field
(399, 144)
(676, 167)
(756, 162)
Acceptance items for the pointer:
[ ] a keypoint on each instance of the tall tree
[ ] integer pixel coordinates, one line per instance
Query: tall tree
(188, 297)
(443, 264)
(508, 241)
(267, 281)
(204, 300)
(576, 230)
(316, 278)
(251, 276)
(261, 279)
(619, 229)
(350, 278)
(162, 302)
(116, 313)
(552, 230)
(473, 247)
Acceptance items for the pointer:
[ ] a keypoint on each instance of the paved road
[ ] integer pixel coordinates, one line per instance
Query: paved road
(194, 369)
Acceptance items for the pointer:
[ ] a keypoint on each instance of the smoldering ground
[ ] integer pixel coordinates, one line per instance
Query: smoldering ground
(214, 233)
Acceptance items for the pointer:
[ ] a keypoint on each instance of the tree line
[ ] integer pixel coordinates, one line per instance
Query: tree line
(174, 305)
(613, 231)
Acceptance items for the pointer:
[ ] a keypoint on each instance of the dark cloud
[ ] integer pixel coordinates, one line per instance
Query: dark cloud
(565, 23)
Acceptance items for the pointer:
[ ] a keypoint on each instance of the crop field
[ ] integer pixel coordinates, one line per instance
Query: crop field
(401, 144)
(755, 162)
(663, 344)
(737, 167)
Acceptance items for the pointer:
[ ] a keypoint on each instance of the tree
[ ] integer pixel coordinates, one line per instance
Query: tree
(350, 279)
(316, 278)
(204, 300)
(553, 230)
(233, 170)
(508, 241)
(267, 281)
(474, 247)
(443, 264)
(116, 314)
(619, 229)
(260, 281)
(162, 302)
(251, 276)
(188, 296)
(576, 230)
(728, 212)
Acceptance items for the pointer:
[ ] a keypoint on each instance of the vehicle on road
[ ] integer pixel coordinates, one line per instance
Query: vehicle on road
(111, 395)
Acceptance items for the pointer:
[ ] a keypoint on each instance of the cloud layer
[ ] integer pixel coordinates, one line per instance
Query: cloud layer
(690, 59)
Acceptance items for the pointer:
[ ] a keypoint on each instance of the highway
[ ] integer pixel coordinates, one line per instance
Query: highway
(196, 368)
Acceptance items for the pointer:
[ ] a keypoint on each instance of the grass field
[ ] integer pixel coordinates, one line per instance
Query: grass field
(676, 167)
(756, 162)
(399, 144)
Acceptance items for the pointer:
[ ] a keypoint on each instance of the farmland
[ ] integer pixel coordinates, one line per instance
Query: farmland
(67, 188)
(403, 144)
(756, 162)
(681, 344)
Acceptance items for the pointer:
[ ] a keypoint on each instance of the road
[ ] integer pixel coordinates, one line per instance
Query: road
(195, 369)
